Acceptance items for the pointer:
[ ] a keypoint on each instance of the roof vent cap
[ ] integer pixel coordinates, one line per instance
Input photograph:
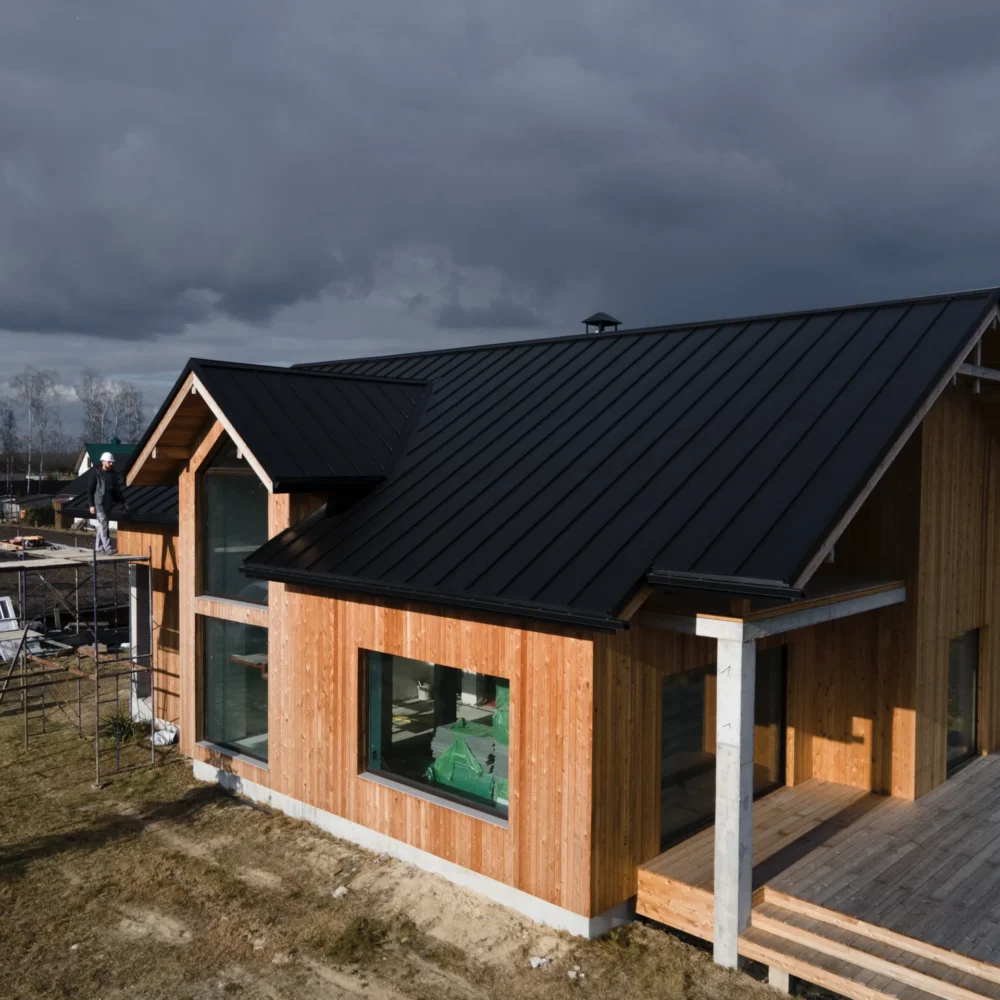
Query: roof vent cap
(600, 322)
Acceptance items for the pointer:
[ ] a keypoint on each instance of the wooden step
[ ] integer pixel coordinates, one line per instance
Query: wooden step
(899, 962)
(825, 970)
(963, 963)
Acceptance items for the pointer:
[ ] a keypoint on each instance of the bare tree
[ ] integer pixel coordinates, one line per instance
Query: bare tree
(126, 404)
(95, 395)
(47, 425)
(8, 437)
(110, 409)
(35, 387)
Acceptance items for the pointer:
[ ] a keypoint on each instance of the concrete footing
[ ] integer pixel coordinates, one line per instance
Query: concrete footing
(778, 978)
(539, 910)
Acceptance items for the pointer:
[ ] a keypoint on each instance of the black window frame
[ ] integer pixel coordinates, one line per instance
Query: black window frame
(425, 790)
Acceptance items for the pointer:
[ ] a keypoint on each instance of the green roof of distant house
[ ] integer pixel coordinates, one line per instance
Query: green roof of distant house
(115, 446)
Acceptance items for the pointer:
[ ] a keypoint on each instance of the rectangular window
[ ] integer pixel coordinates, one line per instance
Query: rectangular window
(687, 792)
(439, 728)
(235, 686)
(963, 685)
(234, 524)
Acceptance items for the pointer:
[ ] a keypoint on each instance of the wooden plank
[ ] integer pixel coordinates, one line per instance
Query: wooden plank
(232, 611)
(965, 963)
(863, 958)
(814, 967)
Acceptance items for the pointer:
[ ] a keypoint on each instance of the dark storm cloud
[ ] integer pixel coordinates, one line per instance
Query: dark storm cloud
(498, 315)
(169, 165)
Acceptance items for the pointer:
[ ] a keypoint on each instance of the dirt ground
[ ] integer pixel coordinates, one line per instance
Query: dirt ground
(158, 886)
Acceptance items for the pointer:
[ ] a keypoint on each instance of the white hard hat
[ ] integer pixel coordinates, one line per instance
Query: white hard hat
(107, 457)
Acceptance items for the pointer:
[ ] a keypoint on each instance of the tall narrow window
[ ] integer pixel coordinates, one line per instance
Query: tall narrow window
(439, 728)
(235, 691)
(963, 684)
(234, 524)
(687, 792)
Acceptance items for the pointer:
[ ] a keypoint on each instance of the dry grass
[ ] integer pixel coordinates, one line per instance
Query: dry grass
(156, 886)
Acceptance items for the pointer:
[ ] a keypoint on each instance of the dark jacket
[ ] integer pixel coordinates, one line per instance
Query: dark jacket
(103, 492)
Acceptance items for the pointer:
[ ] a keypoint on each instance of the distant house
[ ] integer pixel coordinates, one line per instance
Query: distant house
(685, 619)
(90, 454)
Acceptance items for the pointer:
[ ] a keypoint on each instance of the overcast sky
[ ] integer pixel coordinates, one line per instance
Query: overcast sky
(303, 180)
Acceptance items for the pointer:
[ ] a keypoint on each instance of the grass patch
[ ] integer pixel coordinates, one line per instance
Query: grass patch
(119, 725)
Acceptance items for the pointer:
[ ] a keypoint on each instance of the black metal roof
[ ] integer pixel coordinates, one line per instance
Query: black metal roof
(311, 430)
(147, 504)
(552, 477)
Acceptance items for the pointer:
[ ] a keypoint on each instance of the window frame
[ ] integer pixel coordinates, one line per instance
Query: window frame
(954, 766)
(224, 749)
(433, 794)
(205, 469)
(686, 832)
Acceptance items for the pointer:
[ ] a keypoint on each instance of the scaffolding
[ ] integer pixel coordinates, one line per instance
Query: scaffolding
(46, 657)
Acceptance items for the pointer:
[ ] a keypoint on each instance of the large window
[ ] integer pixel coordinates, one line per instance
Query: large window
(439, 728)
(234, 524)
(235, 689)
(963, 684)
(687, 793)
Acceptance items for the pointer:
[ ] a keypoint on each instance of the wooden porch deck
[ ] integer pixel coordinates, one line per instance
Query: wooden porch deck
(866, 895)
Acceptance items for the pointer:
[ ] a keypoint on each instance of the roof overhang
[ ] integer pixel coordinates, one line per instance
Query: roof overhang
(171, 441)
(724, 584)
(837, 603)
(400, 592)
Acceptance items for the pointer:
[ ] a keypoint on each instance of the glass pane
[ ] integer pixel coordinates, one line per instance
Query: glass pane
(441, 728)
(234, 524)
(963, 682)
(235, 675)
(687, 788)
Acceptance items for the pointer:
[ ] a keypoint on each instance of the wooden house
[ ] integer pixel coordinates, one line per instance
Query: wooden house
(697, 620)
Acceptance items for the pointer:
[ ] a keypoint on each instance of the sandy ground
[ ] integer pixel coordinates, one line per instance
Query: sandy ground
(157, 886)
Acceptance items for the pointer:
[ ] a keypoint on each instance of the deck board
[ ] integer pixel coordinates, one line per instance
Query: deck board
(931, 873)
(804, 816)
(926, 871)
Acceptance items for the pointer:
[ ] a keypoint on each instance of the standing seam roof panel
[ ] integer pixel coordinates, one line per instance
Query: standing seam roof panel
(542, 403)
(741, 468)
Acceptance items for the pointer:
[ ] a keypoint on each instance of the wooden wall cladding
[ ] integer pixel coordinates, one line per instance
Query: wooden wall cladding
(315, 718)
(958, 563)
(628, 671)
(161, 541)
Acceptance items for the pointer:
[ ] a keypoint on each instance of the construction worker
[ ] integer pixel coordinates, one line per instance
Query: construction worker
(104, 492)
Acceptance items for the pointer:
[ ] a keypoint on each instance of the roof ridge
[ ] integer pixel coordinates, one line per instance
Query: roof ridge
(302, 370)
(650, 330)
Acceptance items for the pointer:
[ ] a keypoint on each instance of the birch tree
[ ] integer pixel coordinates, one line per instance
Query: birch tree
(110, 409)
(35, 387)
(8, 437)
(94, 394)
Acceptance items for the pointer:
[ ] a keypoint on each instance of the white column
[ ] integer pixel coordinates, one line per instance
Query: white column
(733, 795)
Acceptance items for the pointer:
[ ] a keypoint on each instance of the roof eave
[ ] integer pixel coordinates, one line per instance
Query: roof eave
(516, 609)
(724, 584)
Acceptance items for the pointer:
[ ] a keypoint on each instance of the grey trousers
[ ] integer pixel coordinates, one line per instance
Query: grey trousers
(103, 540)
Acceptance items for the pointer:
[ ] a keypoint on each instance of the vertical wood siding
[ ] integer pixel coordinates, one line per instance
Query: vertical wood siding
(315, 718)
(161, 540)
(958, 565)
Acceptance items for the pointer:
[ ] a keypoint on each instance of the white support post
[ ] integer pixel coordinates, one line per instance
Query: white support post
(733, 795)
